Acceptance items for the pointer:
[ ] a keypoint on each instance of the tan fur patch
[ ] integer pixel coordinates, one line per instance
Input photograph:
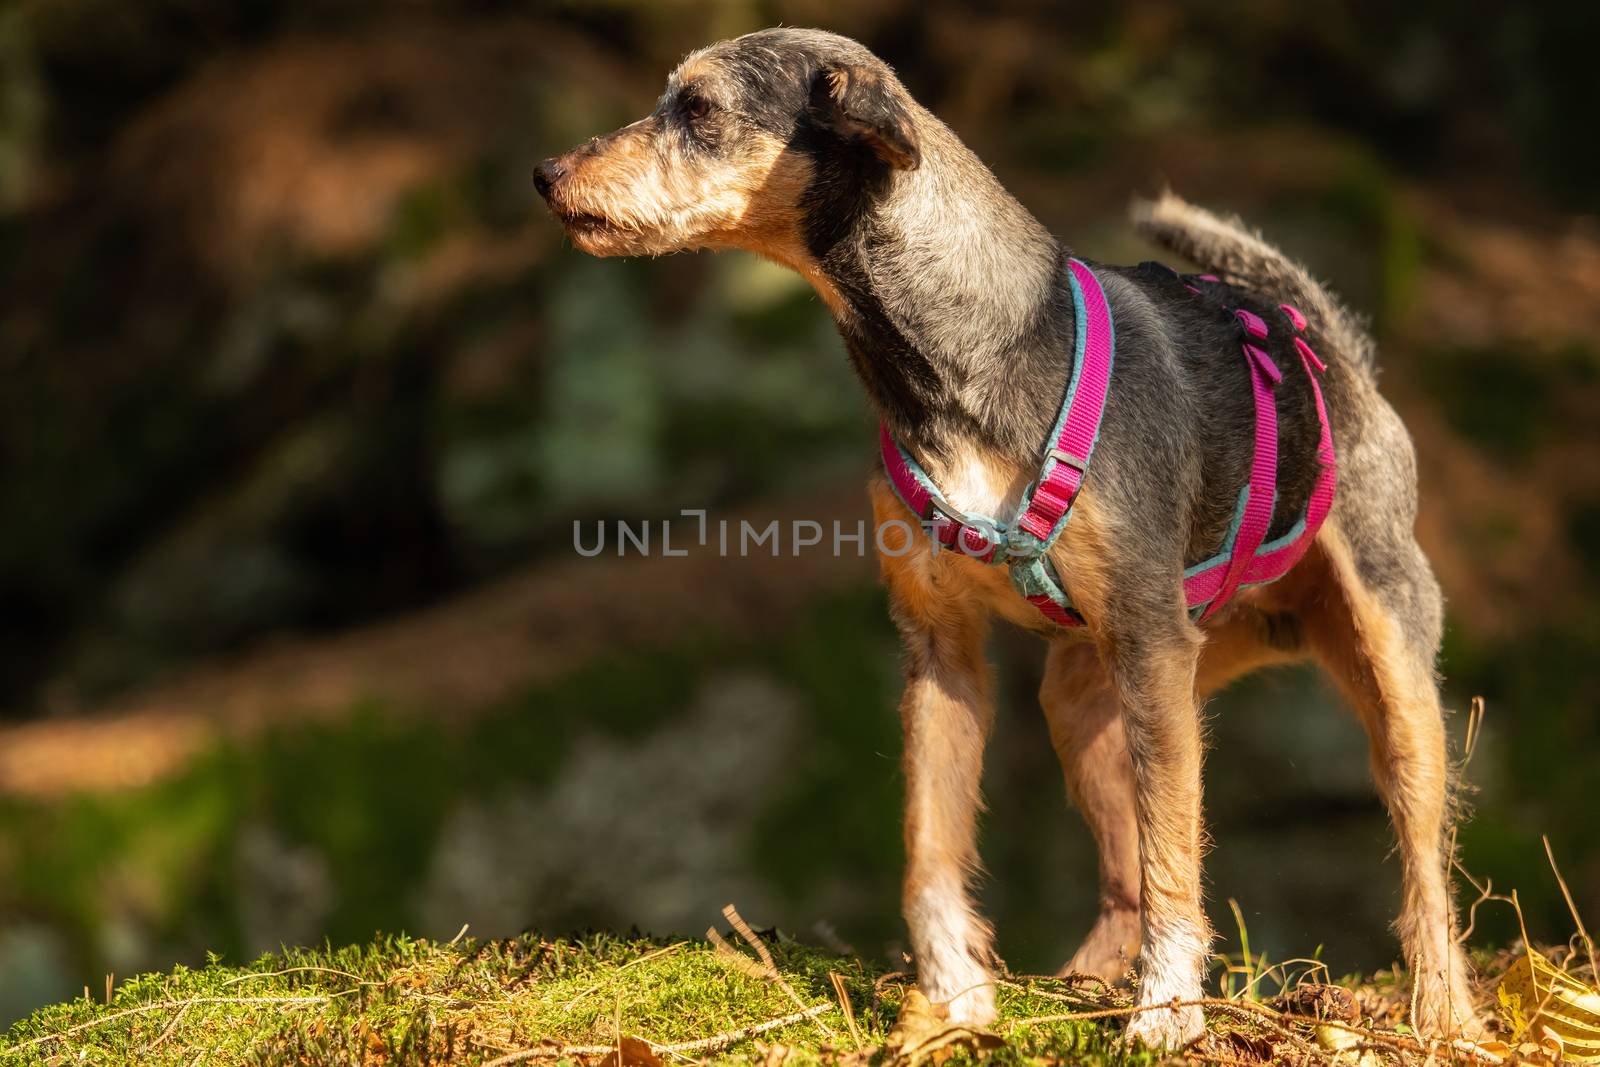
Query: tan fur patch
(1079, 557)
(639, 194)
(928, 579)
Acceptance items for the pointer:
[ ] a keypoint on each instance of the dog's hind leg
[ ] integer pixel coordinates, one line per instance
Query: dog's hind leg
(945, 715)
(1377, 633)
(1087, 732)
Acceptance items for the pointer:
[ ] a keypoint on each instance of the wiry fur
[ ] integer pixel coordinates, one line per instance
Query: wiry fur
(951, 299)
(1239, 255)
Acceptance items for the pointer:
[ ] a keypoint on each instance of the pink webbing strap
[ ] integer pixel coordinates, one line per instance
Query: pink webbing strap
(1070, 454)
(1277, 564)
(911, 491)
(1252, 323)
(1308, 357)
(949, 532)
(1264, 375)
(1055, 612)
(1207, 585)
(972, 541)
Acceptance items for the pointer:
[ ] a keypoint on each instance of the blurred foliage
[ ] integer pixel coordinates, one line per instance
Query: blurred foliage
(280, 399)
(290, 349)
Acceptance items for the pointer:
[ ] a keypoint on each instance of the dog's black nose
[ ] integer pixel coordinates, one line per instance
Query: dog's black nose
(546, 174)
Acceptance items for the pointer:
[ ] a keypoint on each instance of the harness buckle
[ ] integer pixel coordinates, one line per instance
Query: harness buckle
(980, 539)
(1061, 455)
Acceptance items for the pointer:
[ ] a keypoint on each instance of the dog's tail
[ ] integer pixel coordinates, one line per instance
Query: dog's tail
(1239, 256)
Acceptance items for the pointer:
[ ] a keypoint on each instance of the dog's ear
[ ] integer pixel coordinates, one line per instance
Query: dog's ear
(855, 103)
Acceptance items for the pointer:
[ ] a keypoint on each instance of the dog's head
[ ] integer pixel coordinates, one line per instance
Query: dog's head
(761, 142)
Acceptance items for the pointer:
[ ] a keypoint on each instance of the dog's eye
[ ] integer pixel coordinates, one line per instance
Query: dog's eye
(696, 107)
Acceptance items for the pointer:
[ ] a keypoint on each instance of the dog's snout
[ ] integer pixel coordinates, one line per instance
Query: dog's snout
(546, 174)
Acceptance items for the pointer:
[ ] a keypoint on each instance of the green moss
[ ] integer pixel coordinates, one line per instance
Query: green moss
(410, 1002)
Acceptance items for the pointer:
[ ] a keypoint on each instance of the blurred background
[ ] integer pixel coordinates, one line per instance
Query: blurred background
(302, 394)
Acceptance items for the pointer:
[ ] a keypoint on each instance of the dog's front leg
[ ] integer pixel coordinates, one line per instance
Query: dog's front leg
(1152, 659)
(945, 714)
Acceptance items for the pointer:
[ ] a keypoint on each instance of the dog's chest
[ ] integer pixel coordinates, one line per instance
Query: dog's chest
(980, 486)
(984, 489)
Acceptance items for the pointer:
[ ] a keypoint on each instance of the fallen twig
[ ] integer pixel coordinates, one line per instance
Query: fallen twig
(846, 1007)
(705, 1044)
(1577, 920)
(1397, 1042)
(161, 1005)
(166, 1033)
(296, 970)
(637, 959)
(1066, 979)
(766, 970)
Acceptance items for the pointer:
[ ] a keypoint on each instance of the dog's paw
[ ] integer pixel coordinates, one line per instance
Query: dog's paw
(972, 1007)
(1445, 1009)
(1167, 1028)
(1110, 948)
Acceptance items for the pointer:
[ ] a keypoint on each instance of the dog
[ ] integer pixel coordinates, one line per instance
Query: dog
(954, 305)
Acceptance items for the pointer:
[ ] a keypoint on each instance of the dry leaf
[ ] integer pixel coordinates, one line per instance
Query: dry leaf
(1542, 1003)
(1319, 1001)
(1528, 1052)
(1335, 1038)
(635, 1053)
(1252, 1047)
(1343, 1043)
(1497, 1049)
(923, 1034)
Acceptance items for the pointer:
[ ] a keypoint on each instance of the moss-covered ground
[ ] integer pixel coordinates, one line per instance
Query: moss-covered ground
(767, 1000)
(405, 1001)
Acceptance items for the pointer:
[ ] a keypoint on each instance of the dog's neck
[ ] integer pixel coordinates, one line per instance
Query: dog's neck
(949, 297)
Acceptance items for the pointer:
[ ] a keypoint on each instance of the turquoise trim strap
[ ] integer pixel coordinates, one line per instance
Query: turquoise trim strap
(1036, 577)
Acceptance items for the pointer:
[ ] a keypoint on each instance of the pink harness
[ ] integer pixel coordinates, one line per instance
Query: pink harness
(1023, 545)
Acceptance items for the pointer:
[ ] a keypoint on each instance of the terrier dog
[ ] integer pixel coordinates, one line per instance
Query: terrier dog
(804, 147)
